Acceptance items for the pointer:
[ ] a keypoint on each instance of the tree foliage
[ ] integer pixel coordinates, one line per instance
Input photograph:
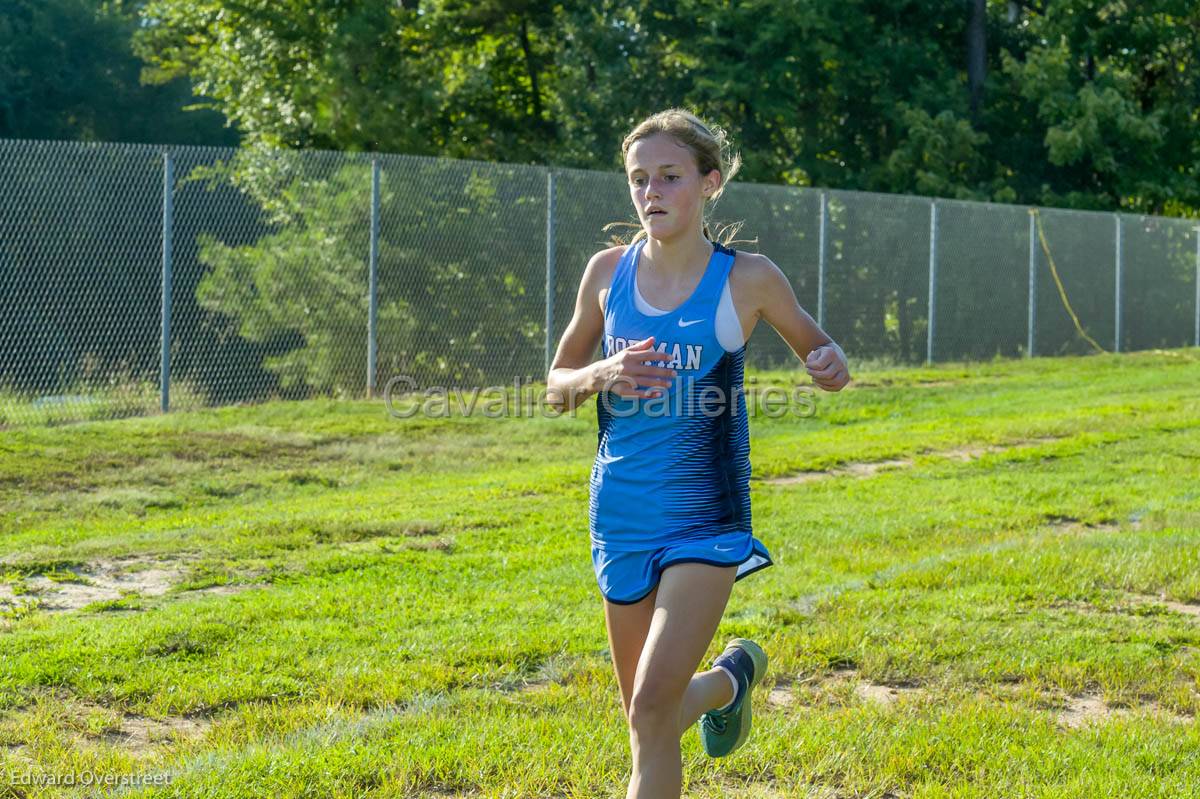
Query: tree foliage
(68, 71)
(1076, 103)
(1082, 103)
(1062, 102)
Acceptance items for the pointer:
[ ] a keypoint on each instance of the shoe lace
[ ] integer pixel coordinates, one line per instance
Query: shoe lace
(714, 722)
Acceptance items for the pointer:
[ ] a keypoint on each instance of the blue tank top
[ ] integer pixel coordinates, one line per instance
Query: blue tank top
(675, 467)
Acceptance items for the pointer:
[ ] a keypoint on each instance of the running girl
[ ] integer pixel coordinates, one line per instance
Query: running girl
(670, 503)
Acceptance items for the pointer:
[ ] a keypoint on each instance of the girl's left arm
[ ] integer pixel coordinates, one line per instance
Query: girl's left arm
(777, 304)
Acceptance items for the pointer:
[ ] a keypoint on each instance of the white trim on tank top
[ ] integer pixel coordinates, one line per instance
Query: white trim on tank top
(728, 328)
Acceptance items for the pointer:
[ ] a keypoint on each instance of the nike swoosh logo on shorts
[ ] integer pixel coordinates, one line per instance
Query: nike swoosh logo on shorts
(692, 322)
(723, 549)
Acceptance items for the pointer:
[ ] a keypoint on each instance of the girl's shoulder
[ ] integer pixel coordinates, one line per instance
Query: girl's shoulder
(601, 266)
(611, 255)
(598, 275)
(752, 272)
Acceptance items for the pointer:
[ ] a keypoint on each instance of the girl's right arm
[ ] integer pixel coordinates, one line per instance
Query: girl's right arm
(573, 377)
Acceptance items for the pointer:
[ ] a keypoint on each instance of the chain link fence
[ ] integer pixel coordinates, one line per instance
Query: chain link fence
(136, 279)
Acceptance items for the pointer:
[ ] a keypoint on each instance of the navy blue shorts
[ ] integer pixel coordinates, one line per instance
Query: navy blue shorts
(628, 577)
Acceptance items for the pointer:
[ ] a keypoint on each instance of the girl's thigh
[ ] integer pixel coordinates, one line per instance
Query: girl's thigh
(690, 600)
(628, 626)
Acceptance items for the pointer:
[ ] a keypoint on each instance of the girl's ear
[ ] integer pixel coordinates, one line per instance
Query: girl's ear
(712, 181)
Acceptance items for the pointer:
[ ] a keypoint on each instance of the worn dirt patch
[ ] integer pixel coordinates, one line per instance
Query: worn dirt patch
(779, 697)
(962, 454)
(1083, 710)
(105, 581)
(783, 693)
(1071, 524)
(762, 786)
(911, 382)
(1186, 608)
(141, 733)
(883, 694)
(878, 693)
(1131, 604)
(1070, 711)
(440, 544)
(87, 723)
(864, 469)
(1088, 709)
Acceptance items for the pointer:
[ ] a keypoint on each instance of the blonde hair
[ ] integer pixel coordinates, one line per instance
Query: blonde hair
(709, 146)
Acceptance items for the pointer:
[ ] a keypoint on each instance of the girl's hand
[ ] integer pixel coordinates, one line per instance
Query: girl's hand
(622, 372)
(828, 367)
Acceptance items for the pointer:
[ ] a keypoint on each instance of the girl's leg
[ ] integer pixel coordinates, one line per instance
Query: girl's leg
(690, 600)
(707, 690)
(628, 626)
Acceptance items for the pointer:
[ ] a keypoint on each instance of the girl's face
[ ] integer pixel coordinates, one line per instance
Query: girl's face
(663, 177)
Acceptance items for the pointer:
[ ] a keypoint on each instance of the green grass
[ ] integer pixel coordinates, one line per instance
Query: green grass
(368, 606)
(89, 399)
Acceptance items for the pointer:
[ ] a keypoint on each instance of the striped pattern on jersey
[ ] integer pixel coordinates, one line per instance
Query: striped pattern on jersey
(676, 467)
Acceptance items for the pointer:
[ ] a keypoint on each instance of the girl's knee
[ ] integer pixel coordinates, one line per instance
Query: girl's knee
(653, 707)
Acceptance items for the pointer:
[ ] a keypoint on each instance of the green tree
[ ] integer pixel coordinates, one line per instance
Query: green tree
(1095, 105)
(457, 278)
(1087, 103)
(1079, 103)
(68, 71)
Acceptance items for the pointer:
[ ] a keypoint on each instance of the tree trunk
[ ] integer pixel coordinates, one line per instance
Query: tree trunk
(976, 53)
(532, 69)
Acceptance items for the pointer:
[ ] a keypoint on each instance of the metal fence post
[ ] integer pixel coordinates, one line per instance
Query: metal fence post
(168, 213)
(373, 288)
(1196, 230)
(933, 231)
(1032, 323)
(822, 244)
(1117, 292)
(549, 345)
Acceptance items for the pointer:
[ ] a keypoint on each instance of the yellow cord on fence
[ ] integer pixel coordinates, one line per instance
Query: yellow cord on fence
(1061, 291)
